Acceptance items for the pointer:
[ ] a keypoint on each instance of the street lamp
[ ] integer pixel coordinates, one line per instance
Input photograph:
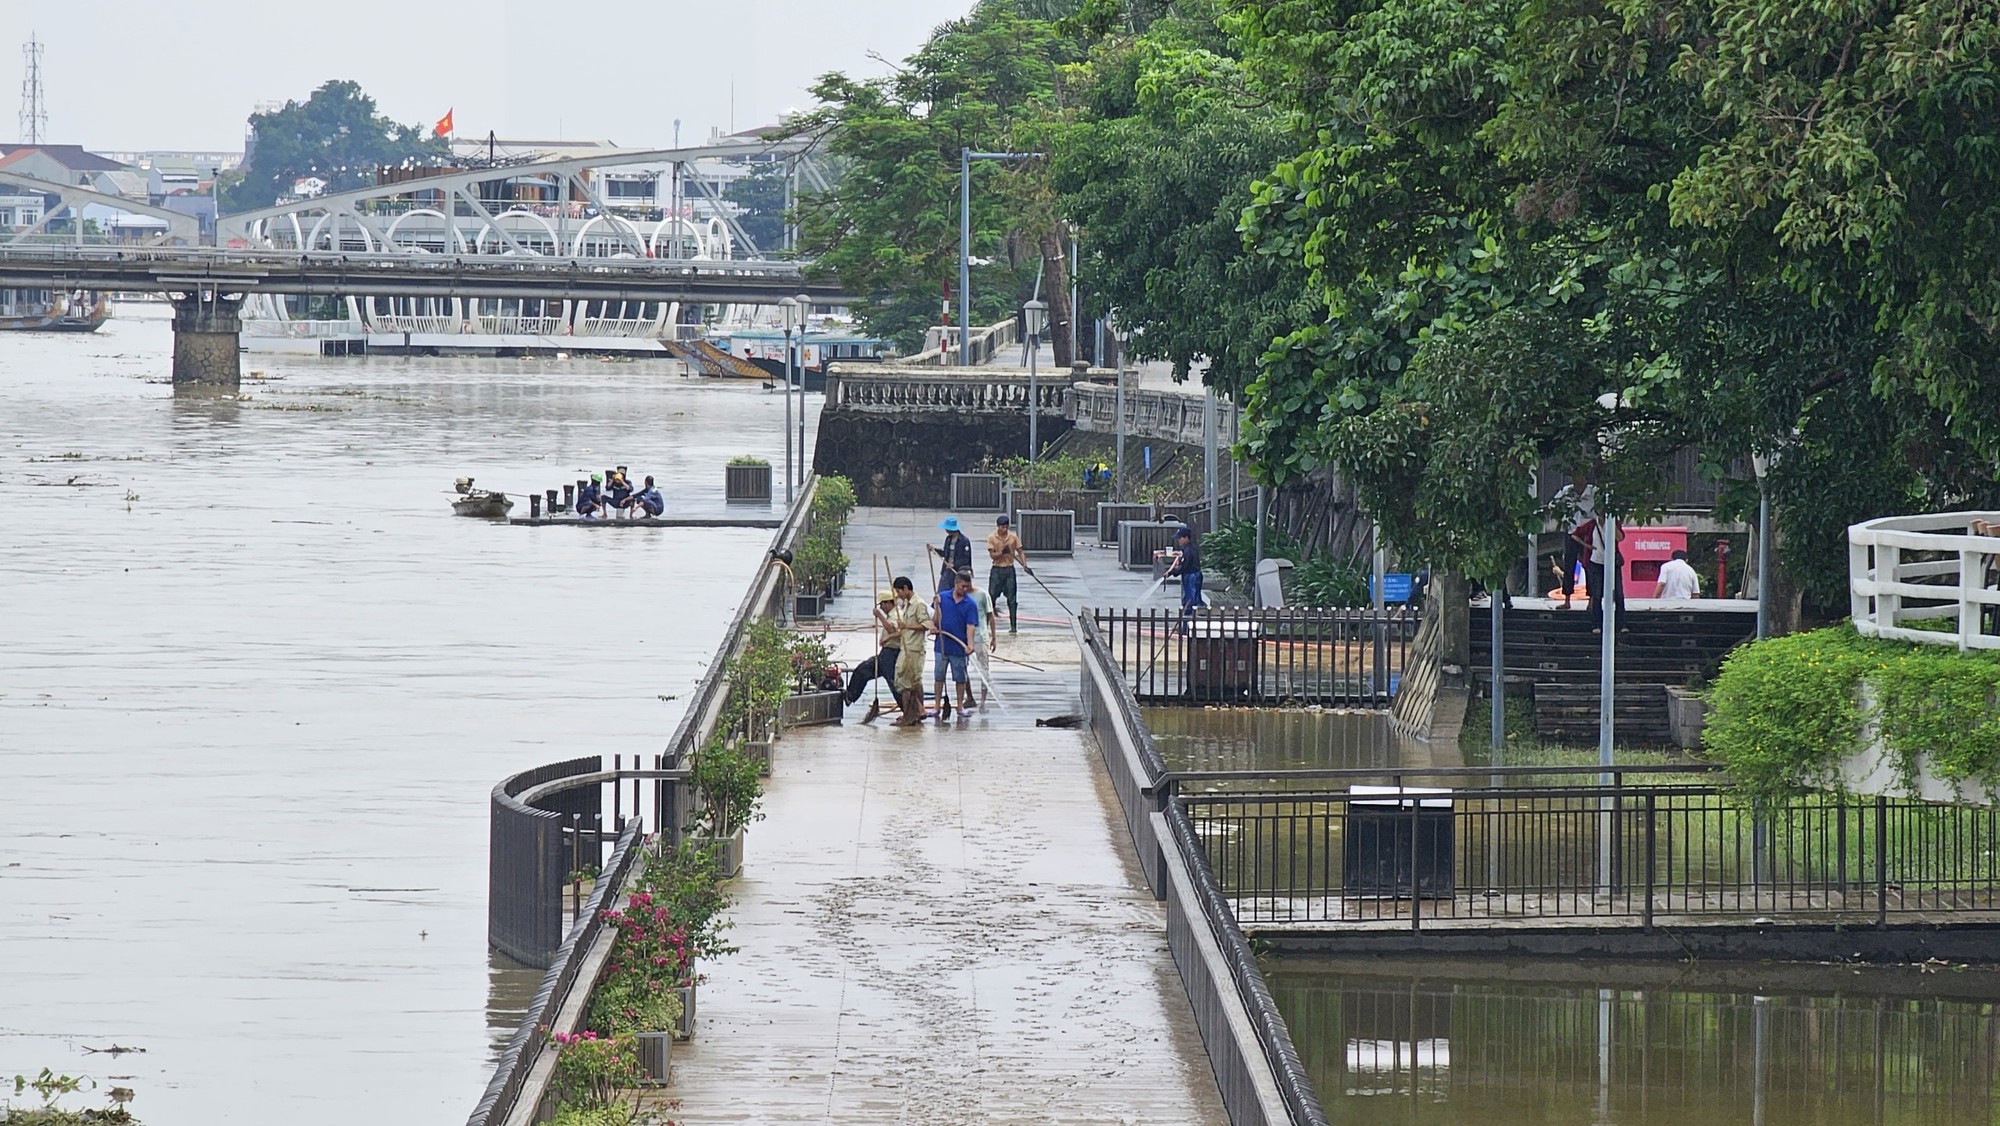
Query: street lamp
(1761, 463)
(788, 312)
(805, 312)
(965, 158)
(1035, 317)
(1606, 603)
(1118, 334)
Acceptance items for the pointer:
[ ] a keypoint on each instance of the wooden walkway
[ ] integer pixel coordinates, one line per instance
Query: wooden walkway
(944, 924)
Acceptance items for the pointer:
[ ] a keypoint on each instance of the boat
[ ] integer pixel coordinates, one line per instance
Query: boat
(485, 503)
(44, 310)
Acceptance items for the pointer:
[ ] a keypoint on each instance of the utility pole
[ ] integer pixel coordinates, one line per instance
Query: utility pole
(965, 158)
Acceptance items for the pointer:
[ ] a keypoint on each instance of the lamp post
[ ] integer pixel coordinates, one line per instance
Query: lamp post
(1034, 317)
(1118, 334)
(1760, 463)
(965, 159)
(805, 311)
(788, 312)
(1606, 603)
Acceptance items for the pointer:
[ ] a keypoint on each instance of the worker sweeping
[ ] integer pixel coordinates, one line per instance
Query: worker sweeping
(912, 621)
(1003, 547)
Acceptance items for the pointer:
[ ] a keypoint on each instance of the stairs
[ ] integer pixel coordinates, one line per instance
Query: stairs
(1556, 651)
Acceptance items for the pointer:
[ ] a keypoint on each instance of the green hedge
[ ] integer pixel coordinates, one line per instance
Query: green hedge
(1784, 712)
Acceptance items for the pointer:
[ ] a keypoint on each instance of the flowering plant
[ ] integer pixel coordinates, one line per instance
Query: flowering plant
(592, 1069)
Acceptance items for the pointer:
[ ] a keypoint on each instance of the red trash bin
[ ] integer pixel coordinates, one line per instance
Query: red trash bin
(1643, 552)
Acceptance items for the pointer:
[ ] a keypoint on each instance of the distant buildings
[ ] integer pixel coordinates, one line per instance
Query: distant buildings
(182, 182)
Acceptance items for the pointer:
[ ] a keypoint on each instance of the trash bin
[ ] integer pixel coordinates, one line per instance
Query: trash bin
(1222, 658)
(1385, 846)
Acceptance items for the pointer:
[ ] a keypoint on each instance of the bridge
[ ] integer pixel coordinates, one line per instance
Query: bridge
(535, 231)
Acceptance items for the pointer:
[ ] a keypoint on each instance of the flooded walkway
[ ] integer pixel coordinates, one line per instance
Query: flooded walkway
(947, 925)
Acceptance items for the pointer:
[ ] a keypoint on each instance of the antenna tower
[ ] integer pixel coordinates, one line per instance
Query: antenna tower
(34, 107)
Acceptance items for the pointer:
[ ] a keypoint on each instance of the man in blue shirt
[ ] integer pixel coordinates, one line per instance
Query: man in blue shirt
(648, 500)
(590, 499)
(1187, 565)
(957, 630)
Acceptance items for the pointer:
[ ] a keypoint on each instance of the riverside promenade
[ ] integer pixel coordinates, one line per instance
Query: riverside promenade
(947, 924)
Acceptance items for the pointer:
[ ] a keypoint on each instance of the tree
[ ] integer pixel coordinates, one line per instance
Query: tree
(761, 195)
(335, 135)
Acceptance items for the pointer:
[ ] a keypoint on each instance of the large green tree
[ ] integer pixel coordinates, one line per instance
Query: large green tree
(336, 135)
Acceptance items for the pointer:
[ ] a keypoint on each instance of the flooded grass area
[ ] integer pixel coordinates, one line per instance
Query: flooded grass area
(258, 682)
(1240, 738)
(1657, 1044)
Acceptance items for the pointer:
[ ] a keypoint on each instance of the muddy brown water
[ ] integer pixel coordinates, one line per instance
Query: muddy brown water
(1655, 1044)
(257, 682)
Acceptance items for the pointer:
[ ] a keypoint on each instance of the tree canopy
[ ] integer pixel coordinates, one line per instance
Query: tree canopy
(1433, 245)
(335, 135)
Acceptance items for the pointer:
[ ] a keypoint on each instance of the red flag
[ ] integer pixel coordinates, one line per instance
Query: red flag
(444, 124)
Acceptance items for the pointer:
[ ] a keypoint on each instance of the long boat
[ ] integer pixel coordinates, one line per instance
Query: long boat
(43, 310)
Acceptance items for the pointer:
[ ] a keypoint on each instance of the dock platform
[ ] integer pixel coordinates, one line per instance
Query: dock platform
(647, 522)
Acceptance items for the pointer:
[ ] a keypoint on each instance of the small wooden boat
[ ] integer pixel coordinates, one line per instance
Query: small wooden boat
(484, 503)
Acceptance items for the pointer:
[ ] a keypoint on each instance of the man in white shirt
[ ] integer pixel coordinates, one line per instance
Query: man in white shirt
(1678, 582)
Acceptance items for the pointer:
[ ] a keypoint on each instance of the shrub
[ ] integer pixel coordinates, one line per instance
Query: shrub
(1784, 712)
(748, 459)
(686, 881)
(729, 786)
(592, 1069)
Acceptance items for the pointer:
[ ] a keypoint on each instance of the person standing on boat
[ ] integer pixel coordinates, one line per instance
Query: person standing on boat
(956, 554)
(590, 499)
(648, 500)
(1004, 548)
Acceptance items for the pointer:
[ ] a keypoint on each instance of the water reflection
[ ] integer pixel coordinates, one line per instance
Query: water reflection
(1651, 1049)
(1221, 738)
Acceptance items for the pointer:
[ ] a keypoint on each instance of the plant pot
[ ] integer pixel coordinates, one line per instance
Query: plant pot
(761, 752)
(656, 1054)
(809, 606)
(728, 853)
(807, 709)
(684, 1029)
(1686, 713)
(746, 483)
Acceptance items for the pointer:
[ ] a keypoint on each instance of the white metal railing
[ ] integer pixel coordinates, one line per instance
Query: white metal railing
(1907, 569)
(887, 388)
(941, 345)
(1174, 416)
(302, 330)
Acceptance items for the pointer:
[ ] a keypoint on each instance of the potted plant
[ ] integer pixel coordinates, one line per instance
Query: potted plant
(746, 478)
(726, 780)
(685, 880)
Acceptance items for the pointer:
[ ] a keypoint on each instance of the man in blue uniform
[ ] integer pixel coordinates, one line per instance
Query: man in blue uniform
(648, 500)
(1187, 566)
(590, 501)
(955, 555)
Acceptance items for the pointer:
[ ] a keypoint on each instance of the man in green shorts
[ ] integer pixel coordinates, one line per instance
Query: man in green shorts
(1004, 548)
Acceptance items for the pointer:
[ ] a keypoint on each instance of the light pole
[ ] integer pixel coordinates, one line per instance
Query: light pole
(1034, 317)
(788, 311)
(1606, 603)
(1118, 334)
(805, 312)
(1760, 463)
(965, 159)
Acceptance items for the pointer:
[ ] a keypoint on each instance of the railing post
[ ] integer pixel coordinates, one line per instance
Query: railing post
(1416, 827)
(1652, 824)
(1881, 860)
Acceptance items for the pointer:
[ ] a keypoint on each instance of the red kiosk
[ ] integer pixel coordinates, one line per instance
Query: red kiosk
(1643, 552)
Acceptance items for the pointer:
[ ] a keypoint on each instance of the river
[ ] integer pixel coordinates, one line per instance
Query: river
(257, 682)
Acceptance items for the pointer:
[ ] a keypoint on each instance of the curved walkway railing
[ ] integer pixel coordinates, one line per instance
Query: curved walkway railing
(1941, 567)
(1250, 1050)
(532, 807)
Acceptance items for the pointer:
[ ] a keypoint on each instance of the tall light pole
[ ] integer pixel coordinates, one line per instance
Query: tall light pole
(1035, 317)
(965, 159)
(1119, 334)
(1606, 603)
(788, 311)
(805, 312)
(1760, 463)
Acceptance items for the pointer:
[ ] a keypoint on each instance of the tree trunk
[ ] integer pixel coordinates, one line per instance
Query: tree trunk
(1055, 291)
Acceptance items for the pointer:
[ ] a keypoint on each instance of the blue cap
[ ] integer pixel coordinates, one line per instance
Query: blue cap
(950, 524)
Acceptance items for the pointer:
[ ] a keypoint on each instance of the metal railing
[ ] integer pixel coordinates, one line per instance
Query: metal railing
(1352, 658)
(983, 343)
(886, 389)
(1250, 1050)
(1951, 576)
(1626, 854)
(1170, 416)
(520, 1078)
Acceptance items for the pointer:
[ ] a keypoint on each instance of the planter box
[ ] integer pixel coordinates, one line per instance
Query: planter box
(760, 752)
(684, 1030)
(656, 1054)
(809, 709)
(1139, 539)
(1048, 532)
(1686, 713)
(977, 492)
(728, 853)
(746, 483)
(809, 605)
(1110, 514)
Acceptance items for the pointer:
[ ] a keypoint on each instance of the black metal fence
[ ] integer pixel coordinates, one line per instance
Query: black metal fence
(1623, 853)
(1352, 658)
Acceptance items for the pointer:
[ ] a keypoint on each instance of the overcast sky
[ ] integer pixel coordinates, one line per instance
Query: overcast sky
(128, 75)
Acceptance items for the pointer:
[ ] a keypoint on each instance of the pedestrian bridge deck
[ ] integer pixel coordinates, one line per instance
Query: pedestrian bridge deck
(947, 924)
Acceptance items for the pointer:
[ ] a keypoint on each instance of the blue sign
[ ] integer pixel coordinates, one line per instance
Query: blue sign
(1395, 587)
